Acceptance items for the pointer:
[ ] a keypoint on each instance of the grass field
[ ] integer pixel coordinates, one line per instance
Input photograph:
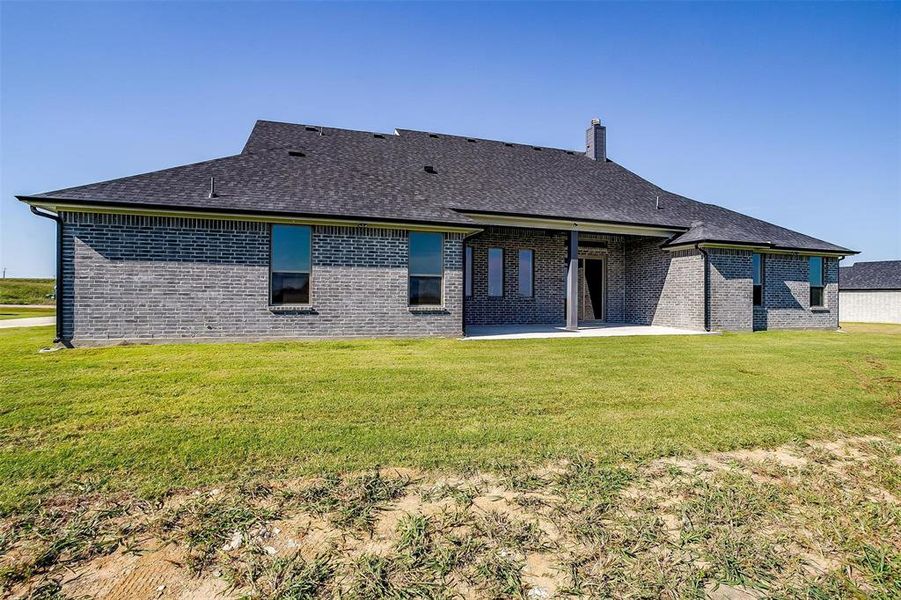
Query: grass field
(155, 417)
(531, 465)
(26, 291)
(25, 312)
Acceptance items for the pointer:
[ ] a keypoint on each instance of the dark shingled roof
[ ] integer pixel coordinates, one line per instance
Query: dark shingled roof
(290, 169)
(876, 275)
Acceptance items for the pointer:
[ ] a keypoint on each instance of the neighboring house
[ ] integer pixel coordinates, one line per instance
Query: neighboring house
(870, 292)
(314, 231)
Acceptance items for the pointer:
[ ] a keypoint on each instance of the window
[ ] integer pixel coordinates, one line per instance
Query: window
(757, 266)
(425, 268)
(289, 263)
(817, 279)
(526, 273)
(467, 271)
(495, 272)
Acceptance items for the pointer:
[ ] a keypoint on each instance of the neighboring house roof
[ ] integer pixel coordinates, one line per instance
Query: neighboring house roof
(290, 169)
(876, 275)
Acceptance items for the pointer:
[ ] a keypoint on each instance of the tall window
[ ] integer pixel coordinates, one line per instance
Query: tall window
(817, 279)
(495, 272)
(526, 273)
(425, 268)
(289, 263)
(757, 267)
(467, 271)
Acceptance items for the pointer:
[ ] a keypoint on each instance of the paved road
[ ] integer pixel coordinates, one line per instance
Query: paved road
(27, 322)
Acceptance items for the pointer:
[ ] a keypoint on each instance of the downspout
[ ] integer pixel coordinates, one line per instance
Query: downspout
(838, 294)
(706, 286)
(59, 270)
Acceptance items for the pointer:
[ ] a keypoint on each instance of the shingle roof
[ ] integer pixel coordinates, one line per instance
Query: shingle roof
(314, 171)
(875, 275)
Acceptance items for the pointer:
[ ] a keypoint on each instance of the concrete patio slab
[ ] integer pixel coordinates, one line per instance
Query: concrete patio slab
(27, 322)
(525, 332)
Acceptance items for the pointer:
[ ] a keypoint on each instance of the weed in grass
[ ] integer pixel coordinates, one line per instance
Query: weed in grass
(520, 477)
(829, 587)
(363, 496)
(882, 568)
(500, 574)
(372, 578)
(288, 578)
(207, 524)
(65, 531)
(353, 503)
(48, 589)
(415, 538)
(320, 497)
(503, 531)
(462, 494)
(726, 516)
(586, 481)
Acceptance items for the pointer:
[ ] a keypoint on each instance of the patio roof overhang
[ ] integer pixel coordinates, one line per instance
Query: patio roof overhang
(540, 222)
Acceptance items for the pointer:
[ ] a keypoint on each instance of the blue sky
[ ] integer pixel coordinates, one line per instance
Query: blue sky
(789, 112)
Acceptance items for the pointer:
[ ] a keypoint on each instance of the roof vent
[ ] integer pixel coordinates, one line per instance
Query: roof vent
(311, 129)
(470, 140)
(378, 135)
(536, 148)
(296, 153)
(432, 135)
(430, 169)
(508, 144)
(213, 193)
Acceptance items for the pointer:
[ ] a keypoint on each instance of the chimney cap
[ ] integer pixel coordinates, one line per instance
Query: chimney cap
(595, 121)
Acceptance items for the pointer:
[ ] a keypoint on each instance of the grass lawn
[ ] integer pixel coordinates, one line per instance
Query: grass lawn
(150, 418)
(872, 327)
(25, 312)
(537, 468)
(26, 291)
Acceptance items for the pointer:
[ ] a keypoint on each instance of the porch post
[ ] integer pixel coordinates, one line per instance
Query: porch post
(572, 283)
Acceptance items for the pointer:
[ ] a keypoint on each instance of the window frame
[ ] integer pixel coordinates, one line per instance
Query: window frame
(467, 271)
(502, 274)
(309, 273)
(821, 287)
(411, 275)
(519, 254)
(757, 289)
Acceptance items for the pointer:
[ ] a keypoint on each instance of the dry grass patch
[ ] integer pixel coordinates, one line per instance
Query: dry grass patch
(813, 520)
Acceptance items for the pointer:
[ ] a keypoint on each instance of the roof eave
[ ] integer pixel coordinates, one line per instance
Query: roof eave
(760, 246)
(78, 205)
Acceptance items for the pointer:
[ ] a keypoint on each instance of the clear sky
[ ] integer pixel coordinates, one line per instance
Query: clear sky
(788, 112)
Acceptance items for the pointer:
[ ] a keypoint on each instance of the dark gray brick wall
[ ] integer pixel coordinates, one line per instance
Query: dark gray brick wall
(549, 302)
(786, 294)
(731, 290)
(546, 306)
(143, 278)
(663, 288)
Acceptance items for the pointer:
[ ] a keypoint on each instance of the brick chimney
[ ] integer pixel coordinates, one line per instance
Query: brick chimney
(596, 141)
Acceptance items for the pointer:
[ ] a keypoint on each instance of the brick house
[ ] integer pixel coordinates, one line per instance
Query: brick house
(316, 232)
(870, 292)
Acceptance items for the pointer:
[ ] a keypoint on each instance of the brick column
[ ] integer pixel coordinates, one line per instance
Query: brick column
(572, 283)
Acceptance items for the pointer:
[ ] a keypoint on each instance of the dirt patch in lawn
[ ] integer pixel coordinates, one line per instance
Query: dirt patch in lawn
(819, 519)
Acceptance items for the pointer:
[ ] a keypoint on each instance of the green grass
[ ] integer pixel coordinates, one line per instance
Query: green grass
(150, 418)
(22, 313)
(872, 327)
(26, 291)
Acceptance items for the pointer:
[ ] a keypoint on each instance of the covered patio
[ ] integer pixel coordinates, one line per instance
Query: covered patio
(524, 332)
